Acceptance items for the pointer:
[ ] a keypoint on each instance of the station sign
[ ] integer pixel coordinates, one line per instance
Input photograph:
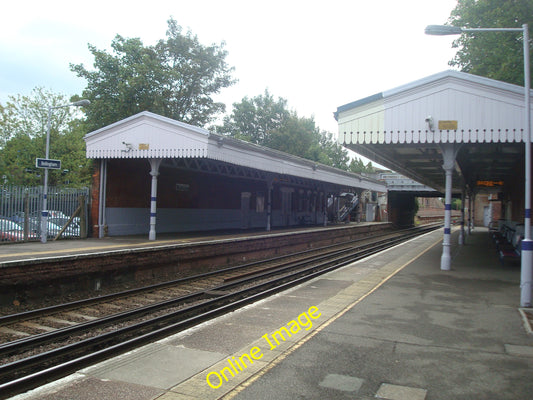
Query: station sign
(182, 187)
(448, 125)
(47, 163)
(489, 183)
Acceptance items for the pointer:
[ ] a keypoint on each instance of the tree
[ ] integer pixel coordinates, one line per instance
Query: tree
(255, 120)
(268, 122)
(17, 157)
(175, 78)
(357, 165)
(495, 55)
(27, 115)
(23, 127)
(326, 150)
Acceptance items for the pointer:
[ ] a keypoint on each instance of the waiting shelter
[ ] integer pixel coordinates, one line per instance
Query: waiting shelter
(155, 173)
(455, 132)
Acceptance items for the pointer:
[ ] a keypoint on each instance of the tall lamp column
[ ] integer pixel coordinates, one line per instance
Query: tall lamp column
(44, 215)
(527, 243)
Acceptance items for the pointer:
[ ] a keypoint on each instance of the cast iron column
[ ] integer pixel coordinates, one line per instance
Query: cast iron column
(448, 155)
(154, 164)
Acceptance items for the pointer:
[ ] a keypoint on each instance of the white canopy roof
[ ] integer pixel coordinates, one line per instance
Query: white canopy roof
(463, 108)
(148, 135)
(405, 128)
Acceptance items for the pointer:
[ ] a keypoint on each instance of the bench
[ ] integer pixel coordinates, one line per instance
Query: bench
(511, 251)
(507, 237)
(502, 235)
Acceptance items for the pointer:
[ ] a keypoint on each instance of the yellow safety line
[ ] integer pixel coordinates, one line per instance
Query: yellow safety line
(280, 358)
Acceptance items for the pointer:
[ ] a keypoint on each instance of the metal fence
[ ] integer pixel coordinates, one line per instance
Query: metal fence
(21, 210)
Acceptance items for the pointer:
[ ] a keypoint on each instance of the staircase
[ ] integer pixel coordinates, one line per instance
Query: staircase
(348, 207)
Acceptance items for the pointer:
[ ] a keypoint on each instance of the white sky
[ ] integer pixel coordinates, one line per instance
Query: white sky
(316, 54)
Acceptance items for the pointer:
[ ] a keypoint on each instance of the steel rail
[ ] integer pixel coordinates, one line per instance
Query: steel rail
(20, 345)
(7, 319)
(26, 315)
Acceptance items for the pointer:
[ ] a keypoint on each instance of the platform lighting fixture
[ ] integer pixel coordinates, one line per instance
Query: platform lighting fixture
(527, 243)
(44, 215)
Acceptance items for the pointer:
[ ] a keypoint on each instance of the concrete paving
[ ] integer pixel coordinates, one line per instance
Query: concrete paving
(426, 334)
(392, 326)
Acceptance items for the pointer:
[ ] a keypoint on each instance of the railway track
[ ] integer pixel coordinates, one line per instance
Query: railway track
(52, 342)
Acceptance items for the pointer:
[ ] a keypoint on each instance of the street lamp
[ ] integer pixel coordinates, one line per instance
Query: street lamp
(527, 243)
(44, 216)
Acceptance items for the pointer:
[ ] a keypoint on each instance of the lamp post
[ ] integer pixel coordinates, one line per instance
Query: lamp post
(527, 242)
(44, 215)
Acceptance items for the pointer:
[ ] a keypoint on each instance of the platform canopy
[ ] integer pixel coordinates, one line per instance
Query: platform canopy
(150, 136)
(406, 129)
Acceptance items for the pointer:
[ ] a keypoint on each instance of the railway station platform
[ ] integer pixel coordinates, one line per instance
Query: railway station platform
(392, 326)
(28, 251)
(68, 247)
(73, 269)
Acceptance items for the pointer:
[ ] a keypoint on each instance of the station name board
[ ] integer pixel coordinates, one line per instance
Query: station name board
(489, 183)
(448, 125)
(47, 163)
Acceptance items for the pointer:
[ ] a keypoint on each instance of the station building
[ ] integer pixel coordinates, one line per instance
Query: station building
(154, 174)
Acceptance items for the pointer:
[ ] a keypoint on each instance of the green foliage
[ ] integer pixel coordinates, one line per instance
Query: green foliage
(27, 115)
(16, 155)
(456, 204)
(496, 55)
(23, 125)
(175, 78)
(357, 165)
(255, 120)
(332, 153)
(296, 136)
(268, 122)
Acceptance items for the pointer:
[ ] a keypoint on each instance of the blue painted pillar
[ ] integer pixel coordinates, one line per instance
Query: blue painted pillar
(526, 266)
(448, 155)
(462, 232)
(470, 216)
(102, 198)
(154, 165)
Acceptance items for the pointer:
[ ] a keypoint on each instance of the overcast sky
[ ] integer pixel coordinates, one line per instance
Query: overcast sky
(316, 54)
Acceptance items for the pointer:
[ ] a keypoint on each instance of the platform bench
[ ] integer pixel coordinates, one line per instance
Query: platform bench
(511, 251)
(503, 236)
